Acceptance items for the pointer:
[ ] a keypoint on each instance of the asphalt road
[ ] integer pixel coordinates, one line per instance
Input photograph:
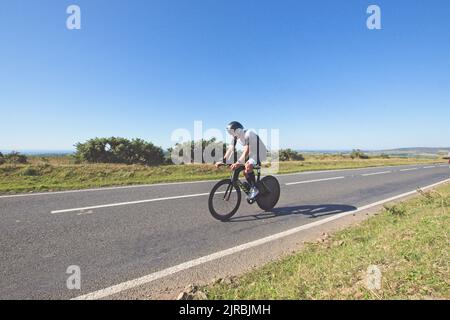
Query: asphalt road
(119, 234)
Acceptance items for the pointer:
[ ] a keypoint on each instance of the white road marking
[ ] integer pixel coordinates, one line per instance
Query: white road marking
(103, 189)
(403, 170)
(375, 173)
(103, 293)
(429, 167)
(88, 210)
(336, 170)
(129, 203)
(311, 181)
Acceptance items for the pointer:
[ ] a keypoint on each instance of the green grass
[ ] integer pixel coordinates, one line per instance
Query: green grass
(408, 242)
(61, 173)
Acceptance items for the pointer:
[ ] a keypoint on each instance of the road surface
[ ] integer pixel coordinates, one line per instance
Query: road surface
(119, 234)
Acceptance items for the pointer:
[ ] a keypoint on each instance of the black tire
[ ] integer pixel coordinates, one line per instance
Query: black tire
(269, 193)
(217, 194)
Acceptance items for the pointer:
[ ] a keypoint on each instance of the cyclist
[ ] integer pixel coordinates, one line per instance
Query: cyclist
(254, 152)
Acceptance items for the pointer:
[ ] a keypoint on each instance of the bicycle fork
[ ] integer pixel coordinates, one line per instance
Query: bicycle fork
(227, 194)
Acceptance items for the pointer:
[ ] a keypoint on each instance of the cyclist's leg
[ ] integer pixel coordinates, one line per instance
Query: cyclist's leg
(249, 173)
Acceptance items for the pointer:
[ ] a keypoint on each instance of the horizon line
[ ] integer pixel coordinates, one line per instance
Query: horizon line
(71, 151)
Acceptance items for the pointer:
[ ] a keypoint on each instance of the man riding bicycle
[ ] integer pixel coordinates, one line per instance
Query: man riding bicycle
(254, 152)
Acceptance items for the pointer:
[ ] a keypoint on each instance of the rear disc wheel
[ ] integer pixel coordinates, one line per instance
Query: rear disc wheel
(269, 193)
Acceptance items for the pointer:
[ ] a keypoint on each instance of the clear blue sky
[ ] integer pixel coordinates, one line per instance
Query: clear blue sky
(144, 68)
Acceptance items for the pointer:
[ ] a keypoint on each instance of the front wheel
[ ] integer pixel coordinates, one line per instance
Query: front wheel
(224, 200)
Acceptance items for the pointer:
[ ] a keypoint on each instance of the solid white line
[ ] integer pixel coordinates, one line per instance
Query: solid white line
(409, 169)
(99, 294)
(311, 181)
(375, 173)
(129, 203)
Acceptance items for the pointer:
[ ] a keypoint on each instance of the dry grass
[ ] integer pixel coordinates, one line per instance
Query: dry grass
(62, 173)
(409, 243)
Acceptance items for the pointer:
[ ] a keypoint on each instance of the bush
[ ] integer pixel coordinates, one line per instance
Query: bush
(396, 210)
(15, 158)
(358, 154)
(29, 171)
(2, 159)
(290, 155)
(119, 150)
(198, 147)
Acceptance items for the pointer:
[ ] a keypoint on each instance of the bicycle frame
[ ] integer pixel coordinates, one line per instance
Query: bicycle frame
(238, 183)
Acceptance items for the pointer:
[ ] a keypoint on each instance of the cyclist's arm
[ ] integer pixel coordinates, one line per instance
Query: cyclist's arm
(244, 155)
(228, 154)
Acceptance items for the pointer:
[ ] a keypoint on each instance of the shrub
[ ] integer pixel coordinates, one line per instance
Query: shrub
(290, 155)
(358, 154)
(396, 210)
(198, 147)
(16, 158)
(119, 150)
(29, 171)
(2, 159)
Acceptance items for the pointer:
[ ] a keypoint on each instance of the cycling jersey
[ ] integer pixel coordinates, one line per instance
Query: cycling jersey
(251, 139)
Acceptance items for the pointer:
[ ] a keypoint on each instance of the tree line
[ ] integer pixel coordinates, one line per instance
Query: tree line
(138, 151)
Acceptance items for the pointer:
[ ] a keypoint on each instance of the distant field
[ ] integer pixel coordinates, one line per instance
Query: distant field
(62, 173)
(407, 242)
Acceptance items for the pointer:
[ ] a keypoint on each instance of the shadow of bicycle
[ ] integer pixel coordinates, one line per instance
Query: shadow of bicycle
(312, 211)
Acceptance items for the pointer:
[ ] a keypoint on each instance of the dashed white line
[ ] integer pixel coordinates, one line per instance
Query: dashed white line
(375, 173)
(429, 167)
(103, 189)
(88, 210)
(403, 170)
(129, 203)
(103, 293)
(311, 181)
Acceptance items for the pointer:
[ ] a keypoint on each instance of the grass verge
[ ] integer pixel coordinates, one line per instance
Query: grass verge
(409, 243)
(59, 173)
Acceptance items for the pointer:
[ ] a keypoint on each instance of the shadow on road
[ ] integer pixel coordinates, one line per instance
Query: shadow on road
(312, 211)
